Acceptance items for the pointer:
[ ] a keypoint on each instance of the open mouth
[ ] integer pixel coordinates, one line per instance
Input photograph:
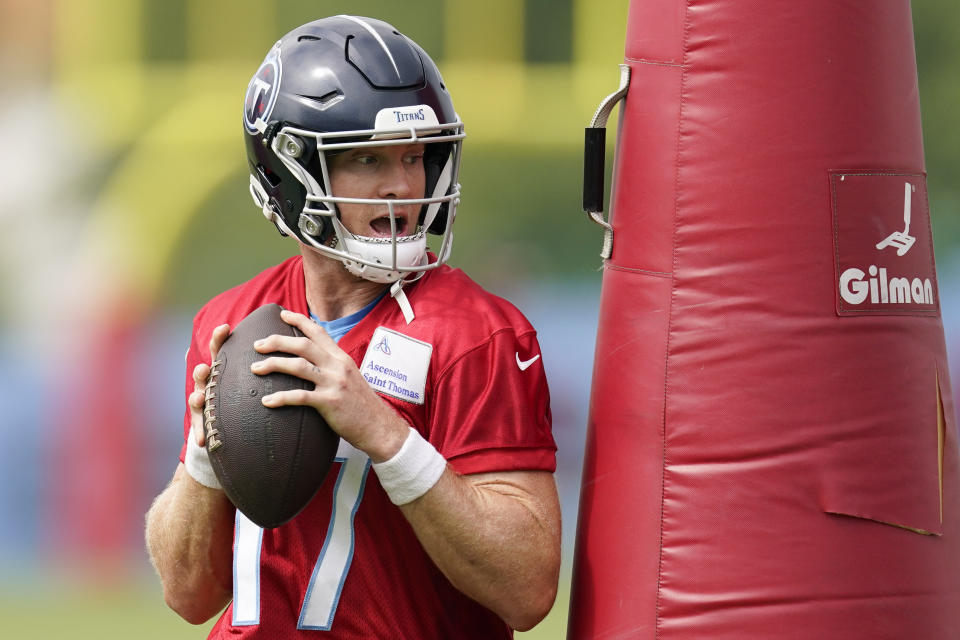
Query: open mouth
(381, 226)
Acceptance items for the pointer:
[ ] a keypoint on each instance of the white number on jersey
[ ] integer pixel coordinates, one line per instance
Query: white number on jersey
(330, 571)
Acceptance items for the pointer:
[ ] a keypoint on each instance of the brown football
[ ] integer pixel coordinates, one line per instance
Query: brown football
(270, 462)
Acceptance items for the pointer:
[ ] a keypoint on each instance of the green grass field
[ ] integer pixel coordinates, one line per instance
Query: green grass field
(71, 610)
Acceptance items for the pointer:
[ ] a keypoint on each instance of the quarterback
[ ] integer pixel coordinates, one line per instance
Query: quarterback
(440, 516)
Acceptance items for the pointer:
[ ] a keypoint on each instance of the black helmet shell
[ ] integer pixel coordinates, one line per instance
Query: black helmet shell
(333, 75)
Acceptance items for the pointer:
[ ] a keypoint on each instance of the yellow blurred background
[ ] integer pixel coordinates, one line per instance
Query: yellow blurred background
(124, 207)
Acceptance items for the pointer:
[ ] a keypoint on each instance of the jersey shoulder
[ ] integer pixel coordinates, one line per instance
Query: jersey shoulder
(449, 297)
(281, 284)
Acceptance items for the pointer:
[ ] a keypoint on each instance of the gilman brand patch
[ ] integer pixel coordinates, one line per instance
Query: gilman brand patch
(883, 246)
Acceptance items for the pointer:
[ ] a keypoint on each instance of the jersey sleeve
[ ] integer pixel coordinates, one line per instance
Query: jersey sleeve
(492, 408)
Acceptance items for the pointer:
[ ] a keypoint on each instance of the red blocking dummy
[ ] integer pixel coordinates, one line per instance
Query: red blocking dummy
(771, 450)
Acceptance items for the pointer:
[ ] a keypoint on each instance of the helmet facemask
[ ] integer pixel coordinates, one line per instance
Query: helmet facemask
(379, 259)
(341, 83)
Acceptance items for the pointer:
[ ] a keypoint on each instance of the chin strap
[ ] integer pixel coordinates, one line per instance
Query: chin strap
(396, 292)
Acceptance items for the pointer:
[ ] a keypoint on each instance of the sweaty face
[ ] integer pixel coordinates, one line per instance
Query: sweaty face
(393, 172)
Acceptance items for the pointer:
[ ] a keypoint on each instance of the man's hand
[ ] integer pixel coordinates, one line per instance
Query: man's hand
(201, 374)
(340, 394)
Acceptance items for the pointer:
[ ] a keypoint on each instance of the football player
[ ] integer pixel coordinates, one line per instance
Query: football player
(440, 516)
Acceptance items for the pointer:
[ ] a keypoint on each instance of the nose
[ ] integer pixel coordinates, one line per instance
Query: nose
(397, 180)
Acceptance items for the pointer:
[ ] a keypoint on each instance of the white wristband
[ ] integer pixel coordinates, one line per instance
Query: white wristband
(412, 471)
(197, 463)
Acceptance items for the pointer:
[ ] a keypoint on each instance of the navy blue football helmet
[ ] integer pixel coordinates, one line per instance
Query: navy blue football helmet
(339, 83)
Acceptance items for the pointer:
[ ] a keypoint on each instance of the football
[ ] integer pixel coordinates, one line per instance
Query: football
(270, 462)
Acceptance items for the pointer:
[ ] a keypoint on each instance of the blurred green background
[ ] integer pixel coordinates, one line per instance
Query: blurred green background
(124, 207)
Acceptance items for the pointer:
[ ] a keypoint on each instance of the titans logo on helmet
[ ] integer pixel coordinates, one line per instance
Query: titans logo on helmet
(262, 90)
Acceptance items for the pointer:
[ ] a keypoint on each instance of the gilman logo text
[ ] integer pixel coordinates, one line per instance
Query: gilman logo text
(854, 289)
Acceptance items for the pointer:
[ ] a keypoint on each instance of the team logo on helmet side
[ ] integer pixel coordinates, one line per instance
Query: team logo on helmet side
(263, 90)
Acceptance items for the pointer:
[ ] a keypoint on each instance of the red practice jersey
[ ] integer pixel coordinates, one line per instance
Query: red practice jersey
(466, 373)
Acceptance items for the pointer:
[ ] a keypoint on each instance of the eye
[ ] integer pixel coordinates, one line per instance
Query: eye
(365, 159)
(413, 158)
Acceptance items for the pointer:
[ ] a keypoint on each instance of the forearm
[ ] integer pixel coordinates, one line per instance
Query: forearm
(496, 540)
(189, 531)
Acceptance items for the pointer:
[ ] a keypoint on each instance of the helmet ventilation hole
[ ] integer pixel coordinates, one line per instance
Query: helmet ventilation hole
(272, 179)
(327, 97)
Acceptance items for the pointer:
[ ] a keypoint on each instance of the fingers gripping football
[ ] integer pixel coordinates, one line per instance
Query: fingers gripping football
(196, 400)
(319, 361)
(201, 375)
(340, 393)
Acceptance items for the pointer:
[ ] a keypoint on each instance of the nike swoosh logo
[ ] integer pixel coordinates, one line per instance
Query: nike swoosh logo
(523, 364)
